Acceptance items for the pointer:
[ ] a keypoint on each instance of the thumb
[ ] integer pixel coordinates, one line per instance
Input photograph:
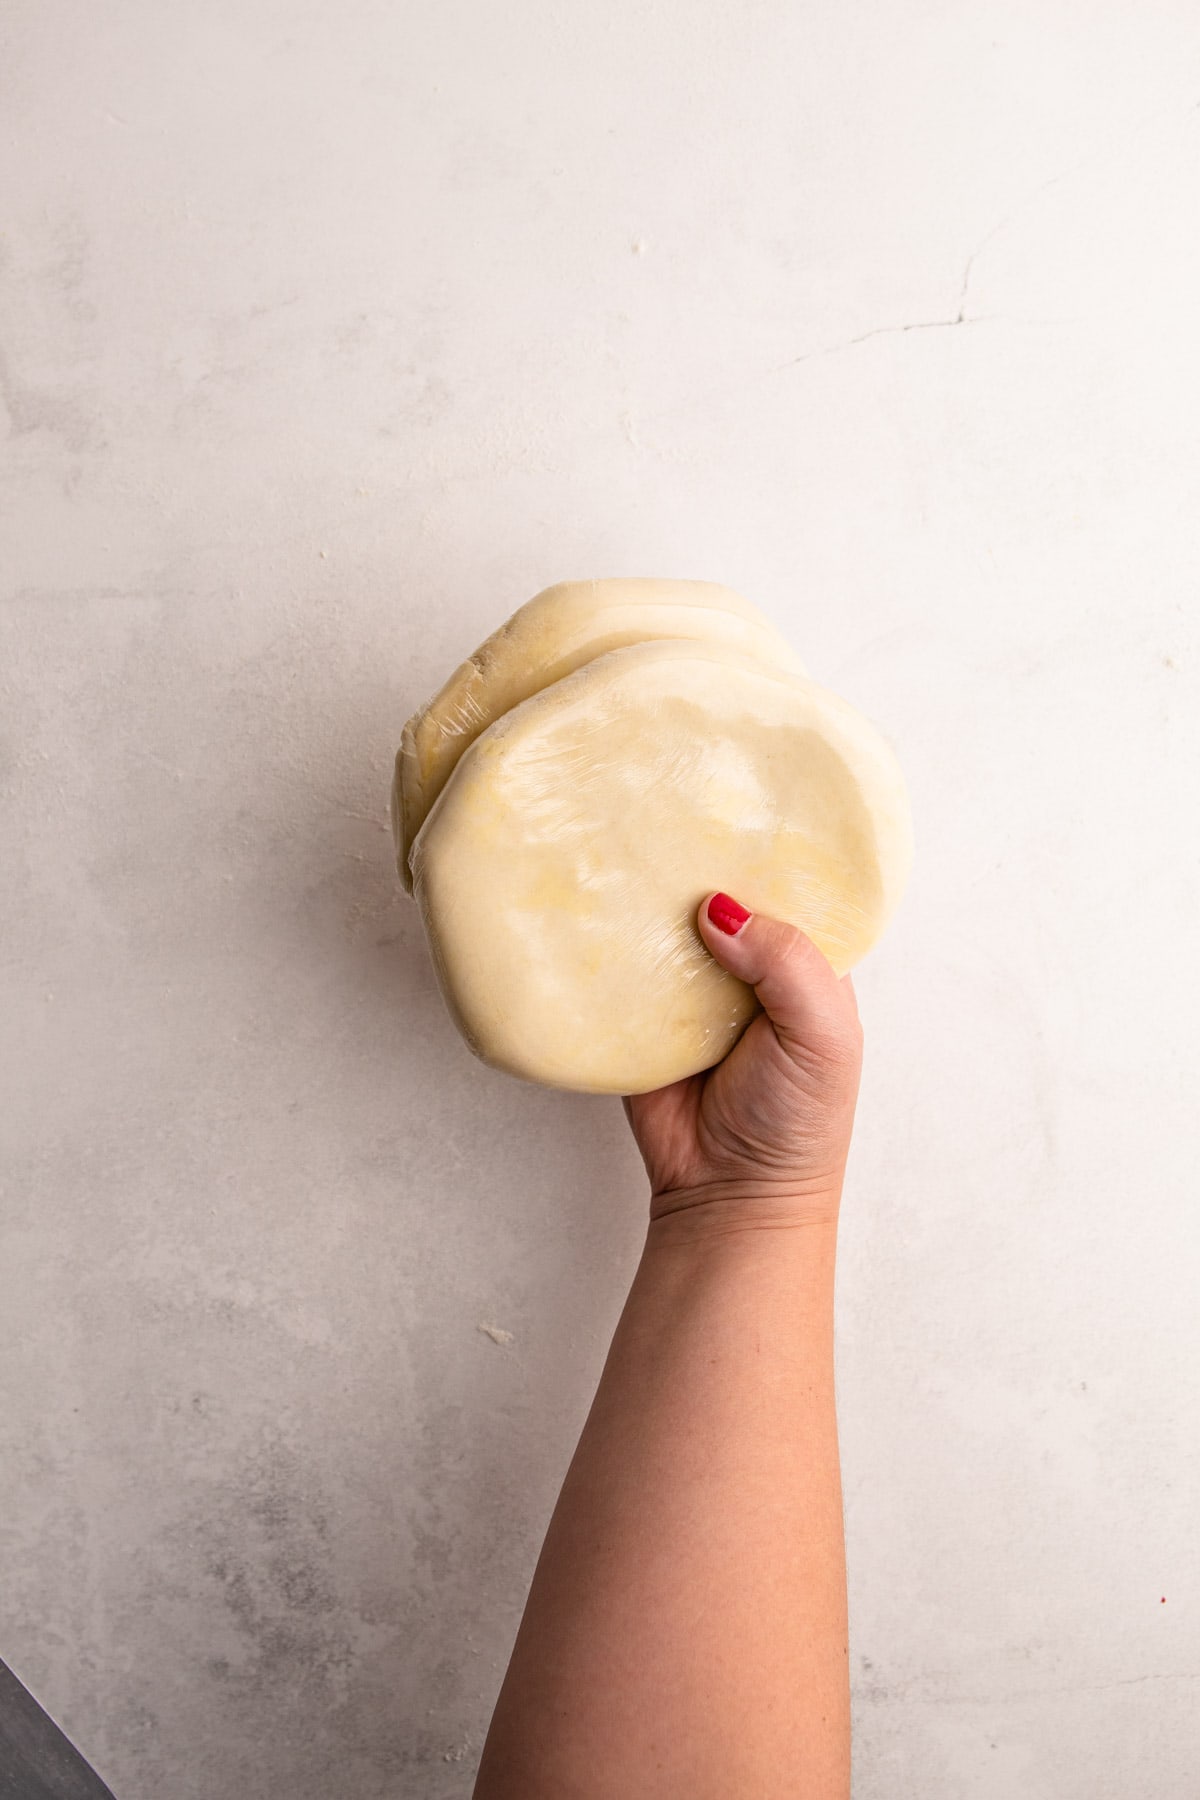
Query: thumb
(810, 1008)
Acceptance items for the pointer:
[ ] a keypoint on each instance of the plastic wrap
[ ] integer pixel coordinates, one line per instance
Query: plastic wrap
(550, 636)
(560, 867)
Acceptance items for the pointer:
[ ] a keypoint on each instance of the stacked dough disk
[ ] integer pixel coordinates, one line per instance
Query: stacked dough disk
(613, 753)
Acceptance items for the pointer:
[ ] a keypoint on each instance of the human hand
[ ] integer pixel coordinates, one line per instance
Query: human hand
(761, 1138)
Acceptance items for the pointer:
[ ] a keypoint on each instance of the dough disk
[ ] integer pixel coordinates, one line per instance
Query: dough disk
(559, 871)
(547, 638)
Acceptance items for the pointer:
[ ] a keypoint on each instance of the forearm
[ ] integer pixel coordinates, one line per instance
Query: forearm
(685, 1634)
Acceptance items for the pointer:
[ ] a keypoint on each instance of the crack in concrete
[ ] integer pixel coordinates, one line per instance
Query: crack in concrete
(961, 316)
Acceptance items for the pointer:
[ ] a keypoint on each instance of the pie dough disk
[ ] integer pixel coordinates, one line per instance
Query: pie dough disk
(560, 870)
(549, 637)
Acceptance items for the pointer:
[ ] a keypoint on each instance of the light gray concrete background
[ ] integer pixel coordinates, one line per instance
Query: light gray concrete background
(331, 333)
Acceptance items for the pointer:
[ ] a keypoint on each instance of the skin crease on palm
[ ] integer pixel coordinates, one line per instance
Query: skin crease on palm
(771, 1123)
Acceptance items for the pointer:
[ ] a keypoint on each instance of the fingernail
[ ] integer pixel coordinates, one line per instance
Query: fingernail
(726, 914)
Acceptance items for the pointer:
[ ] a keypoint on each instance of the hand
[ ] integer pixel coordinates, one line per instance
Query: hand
(763, 1137)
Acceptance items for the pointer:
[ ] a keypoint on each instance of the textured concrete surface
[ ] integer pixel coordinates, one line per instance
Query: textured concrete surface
(329, 334)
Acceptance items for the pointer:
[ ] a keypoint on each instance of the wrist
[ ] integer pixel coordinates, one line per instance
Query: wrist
(738, 1207)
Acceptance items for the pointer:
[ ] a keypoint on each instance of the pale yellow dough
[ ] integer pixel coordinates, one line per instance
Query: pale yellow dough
(550, 636)
(560, 870)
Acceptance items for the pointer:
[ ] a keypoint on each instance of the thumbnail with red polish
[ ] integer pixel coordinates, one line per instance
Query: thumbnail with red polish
(726, 914)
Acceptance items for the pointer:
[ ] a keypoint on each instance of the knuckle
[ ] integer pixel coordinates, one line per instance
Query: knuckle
(803, 962)
(798, 954)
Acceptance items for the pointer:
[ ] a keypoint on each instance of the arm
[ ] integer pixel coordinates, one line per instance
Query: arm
(685, 1634)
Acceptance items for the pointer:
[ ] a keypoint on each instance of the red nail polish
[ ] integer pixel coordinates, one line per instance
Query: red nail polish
(726, 914)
